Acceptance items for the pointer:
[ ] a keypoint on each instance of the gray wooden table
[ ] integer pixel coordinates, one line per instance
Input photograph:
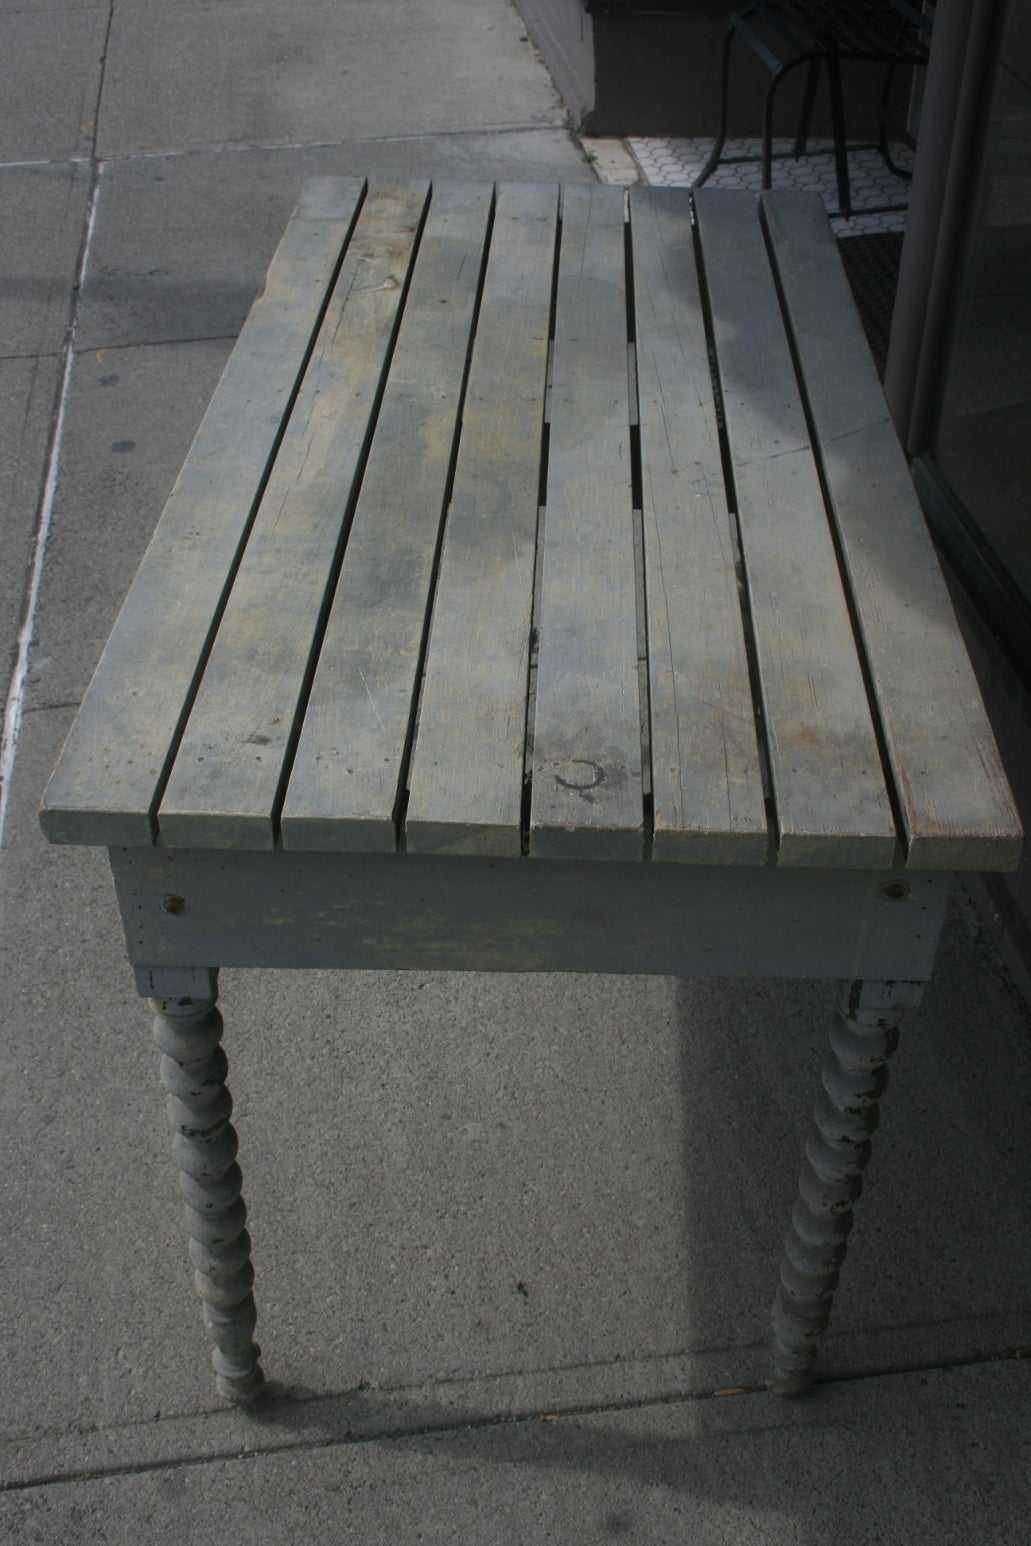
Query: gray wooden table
(544, 590)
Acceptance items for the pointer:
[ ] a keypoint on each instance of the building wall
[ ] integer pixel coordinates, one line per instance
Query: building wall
(650, 69)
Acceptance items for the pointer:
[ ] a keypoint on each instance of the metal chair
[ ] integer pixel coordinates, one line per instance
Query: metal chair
(785, 34)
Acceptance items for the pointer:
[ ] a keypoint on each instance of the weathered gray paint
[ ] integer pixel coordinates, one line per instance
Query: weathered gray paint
(177, 981)
(188, 1033)
(230, 655)
(467, 766)
(587, 797)
(832, 805)
(425, 912)
(229, 768)
(949, 781)
(864, 1034)
(347, 778)
(312, 894)
(104, 789)
(706, 777)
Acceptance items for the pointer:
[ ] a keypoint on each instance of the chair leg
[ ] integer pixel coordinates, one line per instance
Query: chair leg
(767, 152)
(840, 141)
(864, 1033)
(883, 148)
(721, 134)
(882, 116)
(188, 1032)
(812, 80)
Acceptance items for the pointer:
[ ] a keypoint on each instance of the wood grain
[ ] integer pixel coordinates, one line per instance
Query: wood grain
(472, 913)
(347, 779)
(955, 802)
(587, 797)
(832, 803)
(106, 785)
(466, 783)
(706, 777)
(224, 787)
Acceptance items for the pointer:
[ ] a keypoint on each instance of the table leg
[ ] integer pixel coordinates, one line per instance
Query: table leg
(864, 1034)
(188, 1032)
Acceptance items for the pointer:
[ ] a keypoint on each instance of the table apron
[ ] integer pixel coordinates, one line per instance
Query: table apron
(209, 908)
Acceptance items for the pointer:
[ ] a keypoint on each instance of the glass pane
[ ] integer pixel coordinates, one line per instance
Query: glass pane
(984, 437)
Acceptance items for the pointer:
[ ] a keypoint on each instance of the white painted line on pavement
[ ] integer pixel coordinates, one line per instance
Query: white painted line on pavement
(15, 703)
(13, 166)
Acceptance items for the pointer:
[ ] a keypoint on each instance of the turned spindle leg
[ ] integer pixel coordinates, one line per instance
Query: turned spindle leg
(864, 1034)
(188, 1031)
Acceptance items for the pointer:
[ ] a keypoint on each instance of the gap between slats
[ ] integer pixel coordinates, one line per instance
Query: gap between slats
(638, 548)
(541, 524)
(744, 596)
(832, 526)
(640, 575)
(640, 580)
(212, 633)
(588, 697)
(538, 562)
(832, 802)
(542, 474)
(449, 483)
(349, 763)
(345, 529)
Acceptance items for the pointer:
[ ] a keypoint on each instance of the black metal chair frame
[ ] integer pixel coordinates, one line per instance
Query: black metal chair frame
(818, 33)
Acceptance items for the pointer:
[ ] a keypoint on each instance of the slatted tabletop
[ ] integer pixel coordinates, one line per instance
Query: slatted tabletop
(530, 521)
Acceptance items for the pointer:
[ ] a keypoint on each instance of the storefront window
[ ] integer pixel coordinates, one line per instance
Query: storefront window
(983, 442)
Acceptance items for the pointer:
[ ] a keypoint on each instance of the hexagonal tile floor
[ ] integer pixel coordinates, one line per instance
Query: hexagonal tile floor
(677, 162)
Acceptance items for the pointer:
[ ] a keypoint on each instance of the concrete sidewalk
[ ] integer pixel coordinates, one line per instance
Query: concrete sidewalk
(512, 1235)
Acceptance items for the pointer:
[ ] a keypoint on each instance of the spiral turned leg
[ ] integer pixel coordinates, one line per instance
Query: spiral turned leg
(864, 1034)
(193, 1070)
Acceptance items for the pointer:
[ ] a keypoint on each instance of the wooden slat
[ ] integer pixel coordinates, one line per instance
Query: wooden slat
(951, 789)
(832, 804)
(105, 786)
(706, 778)
(348, 773)
(466, 780)
(224, 787)
(587, 798)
